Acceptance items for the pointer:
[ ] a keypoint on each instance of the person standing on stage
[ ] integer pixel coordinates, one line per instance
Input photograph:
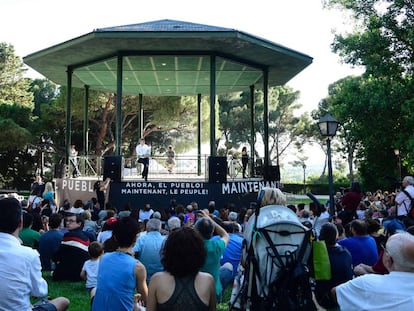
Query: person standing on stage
(245, 160)
(73, 156)
(143, 153)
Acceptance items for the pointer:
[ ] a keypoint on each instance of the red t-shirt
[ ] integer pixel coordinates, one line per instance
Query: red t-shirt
(351, 200)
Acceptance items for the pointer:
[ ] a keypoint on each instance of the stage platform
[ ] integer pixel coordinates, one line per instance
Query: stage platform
(161, 189)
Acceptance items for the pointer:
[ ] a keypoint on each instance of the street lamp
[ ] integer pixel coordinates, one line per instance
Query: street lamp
(304, 178)
(397, 154)
(327, 127)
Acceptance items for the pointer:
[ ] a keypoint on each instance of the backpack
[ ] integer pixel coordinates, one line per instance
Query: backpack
(292, 288)
(410, 209)
(277, 247)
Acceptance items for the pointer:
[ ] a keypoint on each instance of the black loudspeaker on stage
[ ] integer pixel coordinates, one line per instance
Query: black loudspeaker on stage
(60, 171)
(113, 168)
(271, 173)
(217, 169)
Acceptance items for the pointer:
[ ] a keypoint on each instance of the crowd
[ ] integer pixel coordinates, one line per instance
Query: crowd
(183, 257)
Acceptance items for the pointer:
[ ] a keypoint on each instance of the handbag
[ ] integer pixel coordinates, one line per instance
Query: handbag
(321, 262)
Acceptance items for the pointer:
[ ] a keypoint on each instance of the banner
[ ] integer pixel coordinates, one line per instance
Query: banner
(159, 194)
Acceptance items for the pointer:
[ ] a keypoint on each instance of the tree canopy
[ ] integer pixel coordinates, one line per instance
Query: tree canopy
(374, 108)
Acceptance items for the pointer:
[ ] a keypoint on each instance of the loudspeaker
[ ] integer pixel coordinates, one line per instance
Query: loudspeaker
(217, 169)
(113, 168)
(258, 167)
(59, 171)
(271, 173)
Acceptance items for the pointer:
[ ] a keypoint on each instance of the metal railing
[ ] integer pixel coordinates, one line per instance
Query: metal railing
(185, 165)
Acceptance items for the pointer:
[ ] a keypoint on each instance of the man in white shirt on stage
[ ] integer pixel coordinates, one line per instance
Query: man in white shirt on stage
(143, 154)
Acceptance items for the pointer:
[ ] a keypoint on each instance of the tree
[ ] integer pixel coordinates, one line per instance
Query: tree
(375, 106)
(16, 105)
(285, 129)
(13, 87)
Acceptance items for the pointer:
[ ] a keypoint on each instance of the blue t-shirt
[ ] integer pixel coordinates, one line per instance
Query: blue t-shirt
(149, 248)
(116, 283)
(363, 249)
(233, 251)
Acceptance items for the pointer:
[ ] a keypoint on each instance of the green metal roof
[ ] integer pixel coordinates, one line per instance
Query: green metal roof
(168, 57)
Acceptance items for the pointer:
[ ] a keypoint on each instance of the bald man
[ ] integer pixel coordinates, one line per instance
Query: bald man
(393, 291)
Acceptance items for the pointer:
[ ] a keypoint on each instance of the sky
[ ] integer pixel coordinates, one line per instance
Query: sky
(302, 25)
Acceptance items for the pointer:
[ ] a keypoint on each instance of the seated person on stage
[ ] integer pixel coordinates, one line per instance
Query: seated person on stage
(20, 269)
(73, 251)
(170, 162)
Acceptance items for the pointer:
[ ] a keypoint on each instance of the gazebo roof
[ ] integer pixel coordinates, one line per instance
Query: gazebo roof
(168, 57)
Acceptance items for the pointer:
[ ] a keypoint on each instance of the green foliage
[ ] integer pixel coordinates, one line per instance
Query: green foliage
(285, 128)
(13, 87)
(375, 109)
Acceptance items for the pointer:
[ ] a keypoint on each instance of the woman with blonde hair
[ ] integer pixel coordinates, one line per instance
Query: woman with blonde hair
(271, 196)
(49, 194)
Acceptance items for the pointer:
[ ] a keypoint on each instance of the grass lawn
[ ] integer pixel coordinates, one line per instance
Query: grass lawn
(79, 296)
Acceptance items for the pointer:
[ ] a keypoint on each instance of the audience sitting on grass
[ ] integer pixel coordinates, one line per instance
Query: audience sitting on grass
(29, 236)
(49, 242)
(90, 268)
(120, 274)
(341, 267)
(230, 259)
(148, 247)
(20, 268)
(181, 286)
(362, 246)
(215, 248)
(73, 250)
(393, 291)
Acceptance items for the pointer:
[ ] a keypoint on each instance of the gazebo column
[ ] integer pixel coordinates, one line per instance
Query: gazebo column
(266, 117)
(198, 134)
(69, 73)
(213, 151)
(118, 128)
(252, 132)
(140, 116)
(86, 122)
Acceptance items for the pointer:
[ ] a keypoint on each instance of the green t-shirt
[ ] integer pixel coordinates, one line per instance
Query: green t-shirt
(215, 249)
(29, 237)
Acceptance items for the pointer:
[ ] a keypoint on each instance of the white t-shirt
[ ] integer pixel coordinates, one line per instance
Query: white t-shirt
(394, 291)
(91, 268)
(145, 214)
(403, 201)
(143, 151)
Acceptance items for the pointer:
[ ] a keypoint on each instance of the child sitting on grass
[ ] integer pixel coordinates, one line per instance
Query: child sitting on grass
(89, 271)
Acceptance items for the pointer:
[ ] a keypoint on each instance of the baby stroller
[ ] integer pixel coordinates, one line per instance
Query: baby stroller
(275, 276)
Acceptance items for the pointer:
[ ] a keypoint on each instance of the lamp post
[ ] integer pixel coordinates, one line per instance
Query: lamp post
(397, 154)
(327, 127)
(304, 177)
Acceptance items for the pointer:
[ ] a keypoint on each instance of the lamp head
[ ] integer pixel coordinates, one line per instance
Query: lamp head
(328, 125)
